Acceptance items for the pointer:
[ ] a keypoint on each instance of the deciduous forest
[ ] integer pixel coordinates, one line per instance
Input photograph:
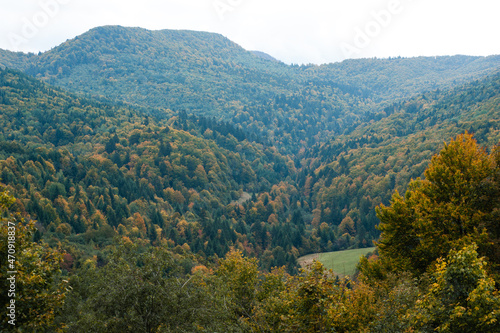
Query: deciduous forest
(168, 181)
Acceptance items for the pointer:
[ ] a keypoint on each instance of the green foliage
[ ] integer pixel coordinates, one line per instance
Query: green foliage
(354, 173)
(462, 297)
(35, 287)
(448, 209)
(338, 137)
(117, 175)
(392, 300)
(143, 292)
(239, 275)
(207, 74)
(298, 304)
(257, 160)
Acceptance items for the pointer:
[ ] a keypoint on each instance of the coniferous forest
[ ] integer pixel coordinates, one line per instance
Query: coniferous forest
(169, 181)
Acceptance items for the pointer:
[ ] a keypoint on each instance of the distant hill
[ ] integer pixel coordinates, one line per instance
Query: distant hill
(206, 74)
(174, 69)
(264, 55)
(396, 78)
(158, 134)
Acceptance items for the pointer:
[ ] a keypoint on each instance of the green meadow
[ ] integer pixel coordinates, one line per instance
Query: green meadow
(340, 262)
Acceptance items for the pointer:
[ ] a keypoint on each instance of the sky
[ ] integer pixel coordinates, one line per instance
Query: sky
(299, 32)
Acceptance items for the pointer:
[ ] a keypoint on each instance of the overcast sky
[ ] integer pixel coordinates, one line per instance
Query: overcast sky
(313, 31)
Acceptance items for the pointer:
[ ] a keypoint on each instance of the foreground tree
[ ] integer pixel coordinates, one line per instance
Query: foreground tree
(144, 291)
(457, 204)
(239, 276)
(462, 297)
(29, 277)
(313, 301)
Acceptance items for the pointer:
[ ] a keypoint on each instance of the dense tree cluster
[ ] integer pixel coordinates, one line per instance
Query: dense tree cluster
(90, 171)
(136, 287)
(206, 74)
(205, 172)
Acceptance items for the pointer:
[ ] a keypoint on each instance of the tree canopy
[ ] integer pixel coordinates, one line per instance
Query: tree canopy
(456, 204)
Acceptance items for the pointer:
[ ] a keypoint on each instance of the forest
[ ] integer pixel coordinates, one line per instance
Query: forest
(436, 269)
(168, 182)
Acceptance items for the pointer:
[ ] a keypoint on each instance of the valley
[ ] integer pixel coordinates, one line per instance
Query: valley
(221, 165)
(173, 139)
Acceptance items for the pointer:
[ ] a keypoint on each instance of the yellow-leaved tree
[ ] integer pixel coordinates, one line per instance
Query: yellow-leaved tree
(32, 292)
(458, 203)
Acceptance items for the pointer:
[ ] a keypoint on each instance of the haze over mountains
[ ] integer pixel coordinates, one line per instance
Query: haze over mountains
(159, 133)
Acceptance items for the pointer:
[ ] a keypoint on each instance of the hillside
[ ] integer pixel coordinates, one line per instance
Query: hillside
(293, 107)
(264, 55)
(168, 181)
(143, 154)
(351, 175)
(396, 78)
(88, 171)
(176, 69)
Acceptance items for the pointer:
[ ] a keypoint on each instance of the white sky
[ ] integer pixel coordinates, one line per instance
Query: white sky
(312, 31)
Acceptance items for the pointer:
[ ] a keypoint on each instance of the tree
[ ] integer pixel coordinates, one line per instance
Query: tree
(240, 276)
(111, 144)
(35, 290)
(462, 297)
(143, 291)
(313, 301)
(456, 204)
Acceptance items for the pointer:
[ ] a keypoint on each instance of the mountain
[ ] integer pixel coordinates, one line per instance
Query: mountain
(88, 171)
(166, 177)
(352, 174)
(395, 78)
(167, 68)
(264, 55)
(294, 107)
(186, 138)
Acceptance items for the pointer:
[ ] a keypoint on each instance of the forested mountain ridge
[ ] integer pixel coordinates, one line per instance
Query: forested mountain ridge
(167, 68)
(438, 270)
(270, 134)
(398, 77)
(182, 175)
(352, 174)
(203, 73)
(171, 180)
(89, 171)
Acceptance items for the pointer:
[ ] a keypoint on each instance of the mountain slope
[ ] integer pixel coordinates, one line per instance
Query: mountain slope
(351, 175)
(315, 148)
(394, 78)
(264, 55)
(88, 171)
(293, 107)
(167, 68)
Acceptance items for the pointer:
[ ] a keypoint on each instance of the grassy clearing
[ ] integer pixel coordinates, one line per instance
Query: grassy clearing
(340, 262)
